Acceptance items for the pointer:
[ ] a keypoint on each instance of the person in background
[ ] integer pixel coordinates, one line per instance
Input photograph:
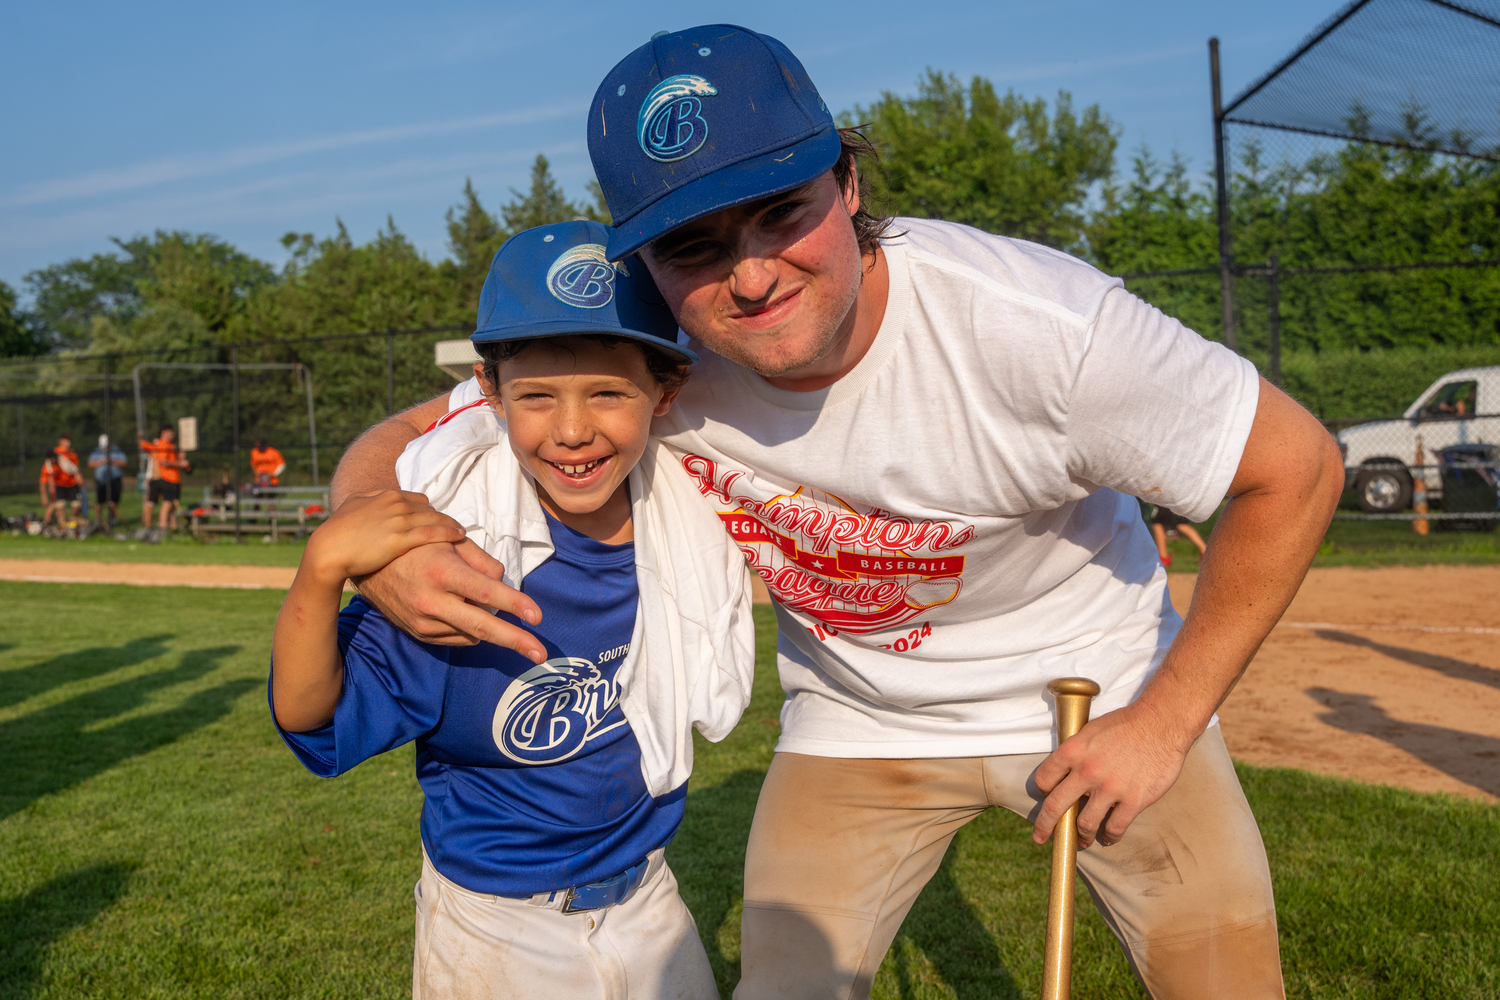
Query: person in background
(165, 486)
(108, 463)
(1163, 521)
(68, 491)
(47, 488)
(267, 464)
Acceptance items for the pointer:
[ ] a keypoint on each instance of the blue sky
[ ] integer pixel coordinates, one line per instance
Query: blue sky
(249, 121)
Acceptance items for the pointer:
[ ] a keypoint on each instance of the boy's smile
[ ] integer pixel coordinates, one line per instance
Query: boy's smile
(578, 414)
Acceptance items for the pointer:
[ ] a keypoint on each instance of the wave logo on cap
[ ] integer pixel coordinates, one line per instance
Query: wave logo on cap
(671, 126)
(582, 277)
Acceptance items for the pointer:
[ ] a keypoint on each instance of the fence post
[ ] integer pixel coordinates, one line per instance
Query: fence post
(390, 374)
(1221, 183)
(1273, 275)
(21, 439)
(234, 377)
(108, 428)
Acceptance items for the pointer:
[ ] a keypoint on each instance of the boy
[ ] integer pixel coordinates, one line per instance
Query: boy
(551, 787)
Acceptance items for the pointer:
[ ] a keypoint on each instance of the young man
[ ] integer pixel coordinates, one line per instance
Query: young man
(928, 441)
(108, 463)
(67, 497)
(267, 464)
(552, 788)
(165, 484)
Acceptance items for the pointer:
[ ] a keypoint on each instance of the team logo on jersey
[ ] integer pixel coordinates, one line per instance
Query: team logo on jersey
(583, 277)
(671, 125)
(548, 713)
(851, 570)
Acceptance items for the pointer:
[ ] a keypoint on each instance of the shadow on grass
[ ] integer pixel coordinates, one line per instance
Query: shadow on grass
(708, 858)
(948, 930)
(1459, 670)
(34, 921)
(71, 741)
(28, 682)
(1469, 757)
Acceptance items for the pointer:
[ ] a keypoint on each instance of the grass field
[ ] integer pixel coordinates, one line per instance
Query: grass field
(157, 840)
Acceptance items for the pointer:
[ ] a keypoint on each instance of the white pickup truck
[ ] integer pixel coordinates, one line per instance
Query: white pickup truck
(1461, 407)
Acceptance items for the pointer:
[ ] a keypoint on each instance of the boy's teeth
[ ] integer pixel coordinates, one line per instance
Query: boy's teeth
(578, 470)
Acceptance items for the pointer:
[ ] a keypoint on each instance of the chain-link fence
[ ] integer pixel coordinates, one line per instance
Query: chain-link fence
(307, 398)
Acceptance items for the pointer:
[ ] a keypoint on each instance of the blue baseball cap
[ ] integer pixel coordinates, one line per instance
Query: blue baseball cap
(699, 120)
(553, 281)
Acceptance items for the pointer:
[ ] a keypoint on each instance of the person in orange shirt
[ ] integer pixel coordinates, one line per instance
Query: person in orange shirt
(67, 493)
(267, 464)
(165, 484)
(47, 486)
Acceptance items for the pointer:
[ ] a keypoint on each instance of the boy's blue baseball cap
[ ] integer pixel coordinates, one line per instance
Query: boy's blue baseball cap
(555, 280)
(699, 120)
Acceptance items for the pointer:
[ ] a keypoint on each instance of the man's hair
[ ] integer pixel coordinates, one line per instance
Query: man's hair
(868, 227)
(65, 437)
(669, 371)
(168, 427)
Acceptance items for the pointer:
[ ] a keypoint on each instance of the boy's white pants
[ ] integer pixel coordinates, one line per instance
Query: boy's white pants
(470, 946)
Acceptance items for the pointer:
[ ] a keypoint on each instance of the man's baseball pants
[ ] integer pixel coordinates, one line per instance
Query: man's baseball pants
(840, 848)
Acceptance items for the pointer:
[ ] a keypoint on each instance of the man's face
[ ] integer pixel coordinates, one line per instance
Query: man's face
(169, 435)
(769, 285)
(65, 442)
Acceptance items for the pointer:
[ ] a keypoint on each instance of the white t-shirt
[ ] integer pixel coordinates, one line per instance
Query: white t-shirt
(953, 523)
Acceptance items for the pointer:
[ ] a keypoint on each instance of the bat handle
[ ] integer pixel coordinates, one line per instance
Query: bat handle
(1072, 695)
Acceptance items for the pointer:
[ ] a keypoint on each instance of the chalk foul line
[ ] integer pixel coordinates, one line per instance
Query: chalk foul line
(1471, 629)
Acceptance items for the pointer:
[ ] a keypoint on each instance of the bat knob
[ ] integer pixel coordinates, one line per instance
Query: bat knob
(1073, 685)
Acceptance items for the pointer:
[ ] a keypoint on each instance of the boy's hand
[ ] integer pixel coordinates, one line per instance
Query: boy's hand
(369, 530)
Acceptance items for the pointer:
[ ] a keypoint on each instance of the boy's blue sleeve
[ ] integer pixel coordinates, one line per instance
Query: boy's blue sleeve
(393, 693)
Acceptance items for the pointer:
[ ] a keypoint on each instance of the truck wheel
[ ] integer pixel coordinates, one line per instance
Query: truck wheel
(1383, 491)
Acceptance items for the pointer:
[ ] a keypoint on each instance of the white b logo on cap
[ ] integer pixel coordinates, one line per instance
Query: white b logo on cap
(670, 126)
(582, 277)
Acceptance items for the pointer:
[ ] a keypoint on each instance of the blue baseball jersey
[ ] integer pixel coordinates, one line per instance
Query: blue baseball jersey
(531, 774)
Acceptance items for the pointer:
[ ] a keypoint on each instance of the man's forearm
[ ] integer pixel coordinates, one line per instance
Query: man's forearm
(370, 462)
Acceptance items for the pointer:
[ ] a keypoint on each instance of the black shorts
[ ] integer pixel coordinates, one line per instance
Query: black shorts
(69, 493)
(1166, 518)
(159, 491)
(107, 492)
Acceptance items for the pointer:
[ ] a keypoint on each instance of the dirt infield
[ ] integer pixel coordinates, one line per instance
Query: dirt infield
(1389, 675)
(146, 574)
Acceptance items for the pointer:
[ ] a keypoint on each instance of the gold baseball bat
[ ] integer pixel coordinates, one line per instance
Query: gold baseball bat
(1072, 695)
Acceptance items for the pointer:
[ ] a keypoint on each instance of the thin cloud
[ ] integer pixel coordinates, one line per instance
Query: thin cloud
(290, 195)
(1083, 67)
(169, 169)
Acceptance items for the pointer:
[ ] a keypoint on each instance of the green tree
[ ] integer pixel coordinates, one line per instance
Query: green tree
(542, 205)
(18, 337)
(473, 237)
(1000, 164)
(67, 297)
(170, 289)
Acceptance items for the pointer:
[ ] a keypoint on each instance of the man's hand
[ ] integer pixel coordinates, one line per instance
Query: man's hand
(1123, 761)
(1283, 496)
(439, 593)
